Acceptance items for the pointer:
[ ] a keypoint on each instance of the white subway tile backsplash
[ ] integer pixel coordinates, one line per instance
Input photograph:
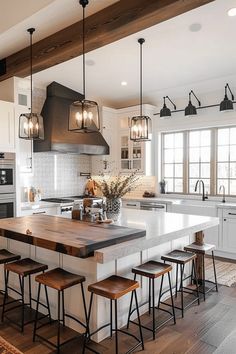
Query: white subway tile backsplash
(146, 183)
(58, 175)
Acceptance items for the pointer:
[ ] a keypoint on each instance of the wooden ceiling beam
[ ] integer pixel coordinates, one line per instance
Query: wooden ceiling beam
(115, 22)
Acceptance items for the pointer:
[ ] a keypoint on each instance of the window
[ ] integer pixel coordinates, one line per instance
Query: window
(199, 166)
(226, 160)
(173, 162)
(207, 154)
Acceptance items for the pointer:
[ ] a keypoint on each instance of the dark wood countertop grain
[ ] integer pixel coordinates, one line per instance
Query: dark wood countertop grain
(72, 237)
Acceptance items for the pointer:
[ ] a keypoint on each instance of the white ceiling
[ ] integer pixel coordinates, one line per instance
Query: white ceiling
(175, 59)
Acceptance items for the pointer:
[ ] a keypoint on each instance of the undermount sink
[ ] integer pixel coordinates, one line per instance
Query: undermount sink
(205, 203)
(195, 207)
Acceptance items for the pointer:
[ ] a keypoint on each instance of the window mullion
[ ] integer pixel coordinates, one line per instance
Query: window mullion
(213, 179)
(185, 162)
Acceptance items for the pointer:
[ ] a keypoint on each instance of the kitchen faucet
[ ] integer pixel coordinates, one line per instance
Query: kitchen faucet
(222, 187)
(204, 197)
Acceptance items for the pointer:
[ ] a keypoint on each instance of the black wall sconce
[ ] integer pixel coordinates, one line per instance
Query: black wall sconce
(191, 110)
(226, 104)
(165, 111)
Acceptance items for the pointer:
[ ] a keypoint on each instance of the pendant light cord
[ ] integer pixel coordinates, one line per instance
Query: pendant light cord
(31, 71)
(31, 31)
(141, 41)
(141, 79)
(83, 33)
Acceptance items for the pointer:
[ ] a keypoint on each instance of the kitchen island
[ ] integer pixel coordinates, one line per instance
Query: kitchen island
(164, 232)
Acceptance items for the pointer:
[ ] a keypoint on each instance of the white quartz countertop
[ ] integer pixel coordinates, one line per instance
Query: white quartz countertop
(160, 228)
(38, 205)
(186, 201)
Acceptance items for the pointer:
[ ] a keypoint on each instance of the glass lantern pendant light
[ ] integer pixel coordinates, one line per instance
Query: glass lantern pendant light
(140, 126)
(31, 124)
(84, 114)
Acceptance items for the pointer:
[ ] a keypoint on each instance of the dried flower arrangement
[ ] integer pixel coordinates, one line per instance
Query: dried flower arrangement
(117, 186)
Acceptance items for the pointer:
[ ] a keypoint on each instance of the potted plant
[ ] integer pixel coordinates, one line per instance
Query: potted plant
(114, 188)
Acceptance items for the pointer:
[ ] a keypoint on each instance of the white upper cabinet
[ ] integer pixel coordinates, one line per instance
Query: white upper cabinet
(7, 125)
(134, 155)
(125, 155)
(109, 126)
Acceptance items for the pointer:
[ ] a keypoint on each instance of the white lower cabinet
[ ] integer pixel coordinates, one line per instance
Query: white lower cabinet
(229, 235)
(47, 211)
(130, 204)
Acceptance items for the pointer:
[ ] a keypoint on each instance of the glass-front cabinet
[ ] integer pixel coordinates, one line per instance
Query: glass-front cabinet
(131, 153)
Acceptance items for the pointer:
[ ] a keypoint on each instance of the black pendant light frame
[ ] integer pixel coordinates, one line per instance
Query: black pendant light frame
(191, 110)
(165, 111)
(140, 126)
(31, 124)
(226, 104)
(84, 114)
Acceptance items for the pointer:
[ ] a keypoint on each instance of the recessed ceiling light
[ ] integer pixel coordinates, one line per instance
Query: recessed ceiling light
(123, 83)
(195, 27)
(232, 12)
(90, 62)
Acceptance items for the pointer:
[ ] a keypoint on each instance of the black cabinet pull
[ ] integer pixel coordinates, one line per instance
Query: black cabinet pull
(40, 212)
(232, 214)
(131, 204)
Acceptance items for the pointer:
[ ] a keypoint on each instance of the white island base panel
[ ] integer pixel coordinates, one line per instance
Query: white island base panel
(165, 232)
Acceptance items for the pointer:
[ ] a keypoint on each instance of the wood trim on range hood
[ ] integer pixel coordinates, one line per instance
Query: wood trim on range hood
(115, 22)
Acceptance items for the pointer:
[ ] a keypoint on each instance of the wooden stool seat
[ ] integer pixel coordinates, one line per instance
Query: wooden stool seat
(59, 279)
(113, 287)
(6, 256)
(152, 269)
(198, 248)
(179, 257)
(25, 267)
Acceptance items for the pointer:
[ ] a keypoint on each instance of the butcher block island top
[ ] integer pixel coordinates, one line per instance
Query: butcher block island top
(72, 237)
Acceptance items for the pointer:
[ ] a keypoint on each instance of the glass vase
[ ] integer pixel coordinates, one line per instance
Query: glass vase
(113, 208)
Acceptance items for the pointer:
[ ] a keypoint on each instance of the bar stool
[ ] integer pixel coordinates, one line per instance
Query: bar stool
(7, 257)
(201, 250)
(153, 270)
(58, 279)
(181, 258)
(24, 268)
(113, 288)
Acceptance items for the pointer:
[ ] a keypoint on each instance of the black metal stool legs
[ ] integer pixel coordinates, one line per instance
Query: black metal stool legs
(115, 329)
(153, 310)
(171, 296)
(36, 314)
(214, 267)
(6, 277)
(22, 286)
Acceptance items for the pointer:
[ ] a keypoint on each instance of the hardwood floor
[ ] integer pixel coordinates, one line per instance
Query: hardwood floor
(208, 328)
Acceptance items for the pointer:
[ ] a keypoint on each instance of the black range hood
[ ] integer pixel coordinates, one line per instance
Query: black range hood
(57, 137)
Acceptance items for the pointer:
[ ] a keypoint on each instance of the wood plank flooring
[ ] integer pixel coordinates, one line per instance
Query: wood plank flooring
(205, 329)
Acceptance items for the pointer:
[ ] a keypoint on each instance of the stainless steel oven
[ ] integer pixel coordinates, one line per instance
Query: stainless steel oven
(7, 205)
(7, 172)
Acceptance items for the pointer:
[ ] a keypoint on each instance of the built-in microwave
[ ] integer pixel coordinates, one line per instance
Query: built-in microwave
(7, 205)
(7, 172)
